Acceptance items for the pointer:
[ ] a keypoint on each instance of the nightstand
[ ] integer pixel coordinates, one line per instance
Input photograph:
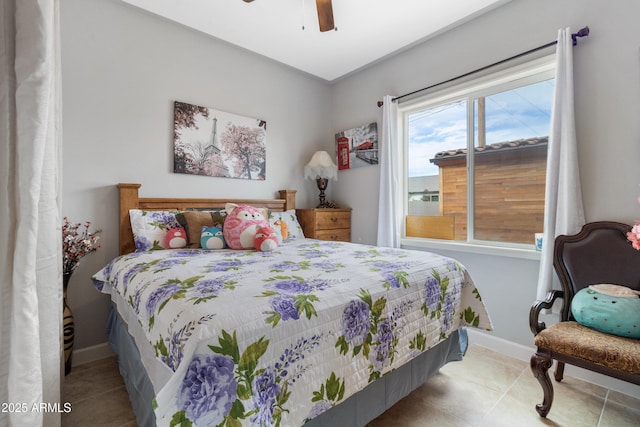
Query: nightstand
(326, 224)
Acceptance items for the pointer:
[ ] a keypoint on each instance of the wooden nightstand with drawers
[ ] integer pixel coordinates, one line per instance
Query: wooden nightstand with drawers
(325, 224)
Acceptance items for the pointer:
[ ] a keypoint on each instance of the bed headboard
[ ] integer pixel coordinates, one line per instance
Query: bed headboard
(129, 199)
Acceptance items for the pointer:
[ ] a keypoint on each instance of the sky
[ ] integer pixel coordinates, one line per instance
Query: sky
(523, 112)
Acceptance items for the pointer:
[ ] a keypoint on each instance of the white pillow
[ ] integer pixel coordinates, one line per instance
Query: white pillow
(293, 226)
(150, 227)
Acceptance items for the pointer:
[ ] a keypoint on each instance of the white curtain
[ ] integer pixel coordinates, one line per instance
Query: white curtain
(390, 205)
(30, 249)
(563, 211)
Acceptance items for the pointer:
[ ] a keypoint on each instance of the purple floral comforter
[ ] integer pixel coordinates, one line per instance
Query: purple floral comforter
(277, 338)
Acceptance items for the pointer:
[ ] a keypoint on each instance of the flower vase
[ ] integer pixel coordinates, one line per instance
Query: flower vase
(67, 325)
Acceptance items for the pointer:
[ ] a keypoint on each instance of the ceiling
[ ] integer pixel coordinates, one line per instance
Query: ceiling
(287, 31)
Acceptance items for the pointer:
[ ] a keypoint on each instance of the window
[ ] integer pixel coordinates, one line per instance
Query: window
(476, 157)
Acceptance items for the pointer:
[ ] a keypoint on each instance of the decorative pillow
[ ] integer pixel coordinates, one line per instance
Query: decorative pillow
(241, 225)
(150, 228)
(193, 221)
(218, 215)
(292, 226)
(611, 309)
(212, 238)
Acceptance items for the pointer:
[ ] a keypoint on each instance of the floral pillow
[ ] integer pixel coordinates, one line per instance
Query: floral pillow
(150, 228)
(293, 226)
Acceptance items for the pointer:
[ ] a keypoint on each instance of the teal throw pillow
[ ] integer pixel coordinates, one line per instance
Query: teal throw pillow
(611, 309)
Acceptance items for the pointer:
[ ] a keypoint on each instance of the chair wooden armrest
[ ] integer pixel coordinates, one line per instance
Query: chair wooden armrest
(534, 314)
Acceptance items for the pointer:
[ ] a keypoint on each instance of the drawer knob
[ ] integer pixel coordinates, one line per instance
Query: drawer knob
(334, 219)
(334, 237)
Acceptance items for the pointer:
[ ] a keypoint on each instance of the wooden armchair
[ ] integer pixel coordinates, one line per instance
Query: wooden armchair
(599, 253)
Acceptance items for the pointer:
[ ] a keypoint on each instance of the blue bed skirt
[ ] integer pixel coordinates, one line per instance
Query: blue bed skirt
(356, 411)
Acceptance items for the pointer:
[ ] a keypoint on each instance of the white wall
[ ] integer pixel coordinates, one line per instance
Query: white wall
(122, 69)
(607, 100)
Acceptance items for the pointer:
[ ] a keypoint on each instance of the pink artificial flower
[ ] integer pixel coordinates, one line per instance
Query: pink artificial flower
(634, 236)
(77, 243)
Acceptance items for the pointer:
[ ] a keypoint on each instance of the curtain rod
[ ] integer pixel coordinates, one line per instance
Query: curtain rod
(583, 32)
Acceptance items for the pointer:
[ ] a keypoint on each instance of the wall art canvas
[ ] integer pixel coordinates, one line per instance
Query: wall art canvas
(216, 143)
(357, 147)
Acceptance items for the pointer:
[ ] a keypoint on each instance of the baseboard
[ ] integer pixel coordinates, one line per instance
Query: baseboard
(509, 348)
(90, 354)
(522, 352)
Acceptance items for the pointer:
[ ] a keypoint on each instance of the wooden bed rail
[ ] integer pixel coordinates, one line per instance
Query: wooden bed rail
(129, 199)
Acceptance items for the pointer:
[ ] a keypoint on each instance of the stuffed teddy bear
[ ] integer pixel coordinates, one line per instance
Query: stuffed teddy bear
(266, 239)
(212, 238)
(241, 225)
(175, 238)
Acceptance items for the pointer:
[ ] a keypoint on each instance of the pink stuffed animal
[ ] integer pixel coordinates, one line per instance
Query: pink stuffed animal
(266, 239)
(176, 238)
(241, 225)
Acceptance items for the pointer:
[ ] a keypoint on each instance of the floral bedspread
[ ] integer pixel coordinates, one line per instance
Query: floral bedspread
(276, 338)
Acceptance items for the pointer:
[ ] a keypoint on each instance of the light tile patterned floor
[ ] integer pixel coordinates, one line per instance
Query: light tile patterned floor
(487, 389)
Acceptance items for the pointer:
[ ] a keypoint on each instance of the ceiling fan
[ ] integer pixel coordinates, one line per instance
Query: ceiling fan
(325, 14)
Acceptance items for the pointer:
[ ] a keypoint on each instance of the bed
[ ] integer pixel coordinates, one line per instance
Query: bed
(314, 333)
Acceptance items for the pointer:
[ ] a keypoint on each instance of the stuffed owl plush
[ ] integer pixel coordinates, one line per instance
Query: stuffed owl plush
(241, 225)
(284, 229)
(266, 239)
(212, 238)
(175, 238)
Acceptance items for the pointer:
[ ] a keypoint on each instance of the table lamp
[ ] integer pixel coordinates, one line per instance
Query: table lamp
(321, 168)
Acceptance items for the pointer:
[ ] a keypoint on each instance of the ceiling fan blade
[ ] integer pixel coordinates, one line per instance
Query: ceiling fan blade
(325, 15)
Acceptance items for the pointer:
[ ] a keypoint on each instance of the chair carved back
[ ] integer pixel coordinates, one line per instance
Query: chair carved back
(599, 253)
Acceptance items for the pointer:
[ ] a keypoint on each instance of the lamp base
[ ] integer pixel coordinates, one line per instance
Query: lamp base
(322, 185)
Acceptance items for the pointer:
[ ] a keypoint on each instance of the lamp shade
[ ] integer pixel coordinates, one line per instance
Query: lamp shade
(321, 166)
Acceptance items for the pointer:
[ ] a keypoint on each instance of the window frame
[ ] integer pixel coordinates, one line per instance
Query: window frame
(522, 74)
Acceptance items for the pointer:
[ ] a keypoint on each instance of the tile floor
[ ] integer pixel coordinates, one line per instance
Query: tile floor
(486, 389)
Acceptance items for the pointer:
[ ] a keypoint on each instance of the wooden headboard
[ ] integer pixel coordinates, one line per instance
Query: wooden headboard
(129, 199)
